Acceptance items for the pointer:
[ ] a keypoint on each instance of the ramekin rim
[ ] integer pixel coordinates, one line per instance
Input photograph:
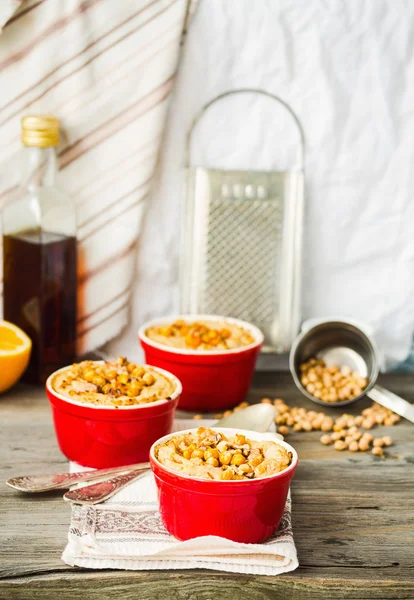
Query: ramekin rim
(291, 467)
(256, 332)
(178, 390)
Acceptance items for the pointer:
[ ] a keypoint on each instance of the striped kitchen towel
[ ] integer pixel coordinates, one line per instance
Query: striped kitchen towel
(106, 69)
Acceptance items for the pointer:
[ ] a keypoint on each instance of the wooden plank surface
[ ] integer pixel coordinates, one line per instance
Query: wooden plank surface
(353, 517)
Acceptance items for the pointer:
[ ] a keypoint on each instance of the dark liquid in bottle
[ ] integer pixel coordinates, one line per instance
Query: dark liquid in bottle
(39, 296)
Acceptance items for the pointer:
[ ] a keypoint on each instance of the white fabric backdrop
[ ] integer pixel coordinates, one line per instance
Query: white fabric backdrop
(346, 67)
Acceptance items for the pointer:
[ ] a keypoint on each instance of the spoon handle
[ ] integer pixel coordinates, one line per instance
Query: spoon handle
(46, 483)
(98, 492)
(392, 401)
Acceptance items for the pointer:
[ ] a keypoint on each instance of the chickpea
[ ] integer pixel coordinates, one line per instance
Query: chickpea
(197, 453)
(237, 459)
(245, 468)
(377, 451)
(135, 385)
(306, 426)
(148, 379)
(378, 443)
(326, 440)
(197, 417)
(227, 474)
(212, 461)
(222, 446)
(211, 452)
(297, 427)
(367, 424)
(239, 440)
(111, 373)
(256, 459)
(339, 445)
(327, 380)
(363, 445)
(227, 413)
(348, 439)
(266, 401)
(368, 437)
(225, 457)
(335, 436)
(317, 423)
(283, 430)
(353, 446)
(88, 375)
(359, 420)
(138, 372)
(327, 424)
(387, 440)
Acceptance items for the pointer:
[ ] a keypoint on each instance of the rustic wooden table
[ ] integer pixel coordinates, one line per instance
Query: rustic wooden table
(353, 518)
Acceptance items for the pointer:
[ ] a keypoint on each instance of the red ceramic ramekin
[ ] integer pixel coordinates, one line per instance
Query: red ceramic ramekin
(213, 379)
(246, 511)
(109, 436)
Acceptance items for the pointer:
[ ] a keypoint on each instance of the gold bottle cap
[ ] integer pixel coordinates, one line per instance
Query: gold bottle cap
(40, 131)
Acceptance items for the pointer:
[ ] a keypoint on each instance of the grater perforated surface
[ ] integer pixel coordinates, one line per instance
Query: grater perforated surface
(243, 247)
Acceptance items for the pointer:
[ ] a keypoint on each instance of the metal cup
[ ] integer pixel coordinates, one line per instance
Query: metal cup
(345, 343)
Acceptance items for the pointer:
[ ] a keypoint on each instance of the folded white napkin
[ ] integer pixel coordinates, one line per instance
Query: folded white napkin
(126, 532)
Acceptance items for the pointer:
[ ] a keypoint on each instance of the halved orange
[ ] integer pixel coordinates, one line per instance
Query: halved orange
(15, 348)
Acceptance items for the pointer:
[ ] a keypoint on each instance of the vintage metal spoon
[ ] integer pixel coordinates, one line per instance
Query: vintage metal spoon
(98, 492)
(47, 483)
(254, 418)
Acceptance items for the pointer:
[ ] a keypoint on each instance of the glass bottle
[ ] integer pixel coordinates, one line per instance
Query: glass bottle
(40, 254)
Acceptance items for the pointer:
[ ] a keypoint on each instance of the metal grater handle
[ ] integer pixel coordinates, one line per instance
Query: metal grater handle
(203, 110)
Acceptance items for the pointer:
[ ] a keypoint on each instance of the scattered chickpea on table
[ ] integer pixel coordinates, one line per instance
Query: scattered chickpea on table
(347, 432)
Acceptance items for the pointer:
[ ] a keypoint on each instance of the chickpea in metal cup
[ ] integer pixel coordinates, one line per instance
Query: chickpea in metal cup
(331, 384)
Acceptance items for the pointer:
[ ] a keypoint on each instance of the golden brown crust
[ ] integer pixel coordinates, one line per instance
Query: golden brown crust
(115, 383)
(208, 454)
(201, 335)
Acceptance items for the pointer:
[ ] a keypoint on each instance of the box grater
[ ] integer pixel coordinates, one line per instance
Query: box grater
(242, 242)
